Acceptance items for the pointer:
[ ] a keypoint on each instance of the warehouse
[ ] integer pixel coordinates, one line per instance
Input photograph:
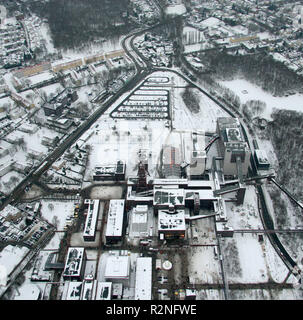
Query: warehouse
(110, 172)
(143, 279)
(117, 269)
(92, 206)
(75, 264)
(171, 224)
(115, 219)
(261, 160)
(232, 146)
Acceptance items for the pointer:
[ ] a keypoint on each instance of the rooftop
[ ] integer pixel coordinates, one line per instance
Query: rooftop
(117, 267)
(169, 197)
(73, 262)
(143, 279)
(104, 291)
(171, 220)
(115, 218)
(92, 216)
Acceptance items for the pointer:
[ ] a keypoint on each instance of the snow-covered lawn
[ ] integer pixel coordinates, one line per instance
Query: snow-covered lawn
(248, 91)
(205, 119)
(61, 210)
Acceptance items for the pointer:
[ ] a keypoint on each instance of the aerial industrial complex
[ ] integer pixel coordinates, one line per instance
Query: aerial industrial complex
(125, 177)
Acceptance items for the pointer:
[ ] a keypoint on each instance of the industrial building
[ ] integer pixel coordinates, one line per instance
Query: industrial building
(143, 286)
(92, 207)
(232, 147)
(115, 220)
(261, 160)
(139, 220)
(171, 162)
(117, 269)
(171, 224)
(110, 172)
(75, 264)
(198, 155)
(104, 290)
(57, 104)
(72, 290)
(165, 198)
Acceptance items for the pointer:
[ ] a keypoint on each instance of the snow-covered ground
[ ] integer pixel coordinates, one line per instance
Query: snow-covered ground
(10, 256)
(248, 91)
(59, 209)
(205, 119)
(202, 265)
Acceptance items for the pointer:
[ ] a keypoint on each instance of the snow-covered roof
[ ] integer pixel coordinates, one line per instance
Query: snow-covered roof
(117, 267)
(170, 181)
(91, 218)
(174, 221)
(143, 279)
(169, 197)
(74, 290)
(115, 218)
(11, 256)
(104, 290)
(74, 262)
(262, 156)
(211, 22)
(177, 9)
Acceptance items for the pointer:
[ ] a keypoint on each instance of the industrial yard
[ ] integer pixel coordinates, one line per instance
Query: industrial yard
(128, 173)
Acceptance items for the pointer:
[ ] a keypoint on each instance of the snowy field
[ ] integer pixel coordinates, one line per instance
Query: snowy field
(202, 265)
(248, 91)
(60, 210)
(205, 119)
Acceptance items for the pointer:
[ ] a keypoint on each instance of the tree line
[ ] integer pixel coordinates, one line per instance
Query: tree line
(77, 22)
(261, 69)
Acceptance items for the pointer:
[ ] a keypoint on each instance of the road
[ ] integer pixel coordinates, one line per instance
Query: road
(46, 163)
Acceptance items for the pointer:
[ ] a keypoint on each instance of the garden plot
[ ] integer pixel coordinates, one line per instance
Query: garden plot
(202, 265)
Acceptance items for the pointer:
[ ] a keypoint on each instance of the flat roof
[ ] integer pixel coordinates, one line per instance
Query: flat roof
(73, 262)
(169, 197)
(143, 285)
(91, 218)
(171, 221)
(115, 218)
(170, 181)
(205, 194)
(117, 267)
(87, 291)
(74, 290)
(104, 290)
(261, 156)
(110, 169)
